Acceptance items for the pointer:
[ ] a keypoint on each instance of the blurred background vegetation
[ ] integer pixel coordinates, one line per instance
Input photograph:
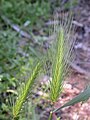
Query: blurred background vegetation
(17, 52)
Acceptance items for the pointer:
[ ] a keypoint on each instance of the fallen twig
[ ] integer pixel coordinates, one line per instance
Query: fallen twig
(80, 70)
(56, 21)
(16, 28)
(82, 46)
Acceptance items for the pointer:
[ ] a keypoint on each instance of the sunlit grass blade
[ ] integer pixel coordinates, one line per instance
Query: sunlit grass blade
(25, 90)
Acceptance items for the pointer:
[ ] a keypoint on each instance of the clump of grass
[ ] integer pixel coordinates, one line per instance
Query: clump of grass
(25, 90)
(60, 53)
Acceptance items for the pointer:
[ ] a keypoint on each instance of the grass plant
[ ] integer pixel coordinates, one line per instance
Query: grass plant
(60, 53)
(25, 90)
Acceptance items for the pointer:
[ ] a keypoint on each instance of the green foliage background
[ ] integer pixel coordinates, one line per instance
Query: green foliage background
(21, 11)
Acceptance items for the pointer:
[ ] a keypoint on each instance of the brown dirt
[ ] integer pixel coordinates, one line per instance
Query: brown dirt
(73, 86)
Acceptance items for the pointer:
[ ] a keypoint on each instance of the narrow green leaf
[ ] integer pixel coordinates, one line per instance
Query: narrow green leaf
(50, 116)
(83, 96)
